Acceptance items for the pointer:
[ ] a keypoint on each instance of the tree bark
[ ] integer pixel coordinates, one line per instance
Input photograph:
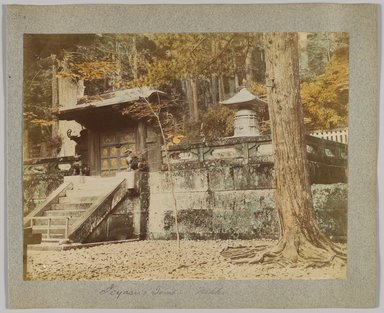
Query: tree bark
(293, 188)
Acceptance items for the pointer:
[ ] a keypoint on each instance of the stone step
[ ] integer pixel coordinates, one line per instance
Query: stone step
(90, 191)
(54, 231)
(97, 183)
(85, 193)
(94, 188)
(68, 213)
(71, 206)
(78, 199)
(52, 239)
(55, 220)
(84, 182)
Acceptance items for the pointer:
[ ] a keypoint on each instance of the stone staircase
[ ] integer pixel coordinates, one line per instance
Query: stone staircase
(56, 221)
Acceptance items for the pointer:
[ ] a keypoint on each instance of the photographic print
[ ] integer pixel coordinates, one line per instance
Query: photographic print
(185, 156)
(210, 156)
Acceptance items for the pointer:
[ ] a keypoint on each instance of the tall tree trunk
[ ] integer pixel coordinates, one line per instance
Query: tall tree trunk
(214, 76)
(189, 94)
(195, 101)
(55, 97)
(248, 67)
(214, 89)
(221, 88)
(232, 85)
(116, 80)
(134, 59)
(236, 77)
(237, 84)
(26, 145)
(293, 187)
(300, 237)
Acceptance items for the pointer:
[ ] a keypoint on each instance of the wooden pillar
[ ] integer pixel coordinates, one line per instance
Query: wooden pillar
(154, 143)
(94, 153)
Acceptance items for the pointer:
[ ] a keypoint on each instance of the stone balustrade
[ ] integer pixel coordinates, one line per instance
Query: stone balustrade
(41, 177)
(61, 165)
(249, 150)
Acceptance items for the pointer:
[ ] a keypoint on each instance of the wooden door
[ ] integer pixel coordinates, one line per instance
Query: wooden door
(113, 144)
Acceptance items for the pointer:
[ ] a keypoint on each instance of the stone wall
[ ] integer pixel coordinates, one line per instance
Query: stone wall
(39, 180)
(331, 205)
(128, 219)
(119, 224)
(41, 177)
(232, 203)
(225, 189)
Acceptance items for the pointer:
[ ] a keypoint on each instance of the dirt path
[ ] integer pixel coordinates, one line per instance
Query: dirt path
(151, 260)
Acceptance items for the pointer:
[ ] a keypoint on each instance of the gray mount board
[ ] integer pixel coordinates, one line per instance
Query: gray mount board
(358, 290)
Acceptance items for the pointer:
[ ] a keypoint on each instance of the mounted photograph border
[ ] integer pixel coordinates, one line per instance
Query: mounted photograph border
(360, 287)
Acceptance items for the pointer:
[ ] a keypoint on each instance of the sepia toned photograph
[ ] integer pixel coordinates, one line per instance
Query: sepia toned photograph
(191, 156)
(185, 156)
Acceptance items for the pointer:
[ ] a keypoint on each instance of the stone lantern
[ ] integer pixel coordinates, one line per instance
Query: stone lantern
(246, 104)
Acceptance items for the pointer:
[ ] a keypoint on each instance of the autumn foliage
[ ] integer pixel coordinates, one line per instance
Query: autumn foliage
(197, 69)
(218, 122)
(95, 70)
(325, 99)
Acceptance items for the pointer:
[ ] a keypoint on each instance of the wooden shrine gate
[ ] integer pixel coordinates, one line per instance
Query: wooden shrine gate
(113, 145)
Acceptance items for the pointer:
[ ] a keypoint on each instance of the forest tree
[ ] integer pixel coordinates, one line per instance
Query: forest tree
(300, 237)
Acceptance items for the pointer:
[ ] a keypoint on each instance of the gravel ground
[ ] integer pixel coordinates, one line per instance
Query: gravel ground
(152, 260)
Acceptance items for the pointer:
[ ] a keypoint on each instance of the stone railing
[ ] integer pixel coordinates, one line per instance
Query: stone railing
(328, 152)
(41, 177)
(53, 198)
(97, 212)
(249, 150)
(60, 165)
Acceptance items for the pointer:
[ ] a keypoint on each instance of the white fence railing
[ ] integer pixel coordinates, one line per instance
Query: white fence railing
(338, 135)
